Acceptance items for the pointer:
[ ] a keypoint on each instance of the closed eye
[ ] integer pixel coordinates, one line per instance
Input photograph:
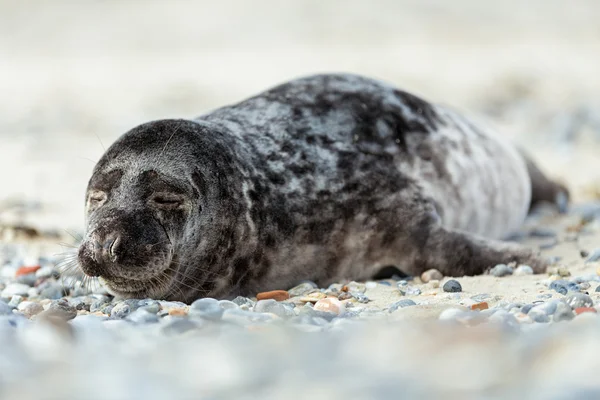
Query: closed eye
(96, 197)
(167, 201)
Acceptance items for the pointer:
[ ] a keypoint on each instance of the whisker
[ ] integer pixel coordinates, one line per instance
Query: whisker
(171, 137)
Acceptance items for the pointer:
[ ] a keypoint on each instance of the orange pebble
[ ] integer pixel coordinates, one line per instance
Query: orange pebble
(177, 312)
(480, 306)
(27, 270)
(581, 310)
(278, 295)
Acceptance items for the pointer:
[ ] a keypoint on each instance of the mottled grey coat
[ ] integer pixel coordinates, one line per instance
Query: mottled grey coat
(328, 177)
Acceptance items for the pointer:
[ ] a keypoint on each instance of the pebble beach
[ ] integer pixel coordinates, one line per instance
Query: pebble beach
(503, 335)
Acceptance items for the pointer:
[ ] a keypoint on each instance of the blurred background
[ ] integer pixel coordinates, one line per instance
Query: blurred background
(77, 74)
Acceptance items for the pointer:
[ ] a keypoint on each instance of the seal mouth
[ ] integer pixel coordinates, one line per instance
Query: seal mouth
(156, 285)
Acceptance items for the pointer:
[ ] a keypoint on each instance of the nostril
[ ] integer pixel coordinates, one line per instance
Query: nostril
(111, 245)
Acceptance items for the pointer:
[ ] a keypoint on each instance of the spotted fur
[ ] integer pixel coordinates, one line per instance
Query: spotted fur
(325, 178)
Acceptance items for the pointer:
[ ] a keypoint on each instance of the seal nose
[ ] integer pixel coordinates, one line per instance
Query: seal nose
(106, 250)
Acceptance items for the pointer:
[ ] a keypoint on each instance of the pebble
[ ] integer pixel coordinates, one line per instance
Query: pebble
(542, 233)
(302, 289)
(149, 305)
(355, 287)
(401, 304)
(27, 270)
(560, 271)
(99, 303)
(523, 270)
(430, 275)
(243, 301)
(538, 315)
(598, 288)
(563, 312)
(5, 309)
(310, 311)
(452, 286)
(501, 270)
(330, 305)
(581, 310)
(480, 306)
(274, 307)
(13, 289)
(594, 256)
(578, 300)
(15, 301)
(45, 272)
(142, 316)
(434, 283)
(61, 309)
(207, 308)
(409, 290)
(178, 326)
(120, 310)
(278, 295)
(51, 290)
(28, 308)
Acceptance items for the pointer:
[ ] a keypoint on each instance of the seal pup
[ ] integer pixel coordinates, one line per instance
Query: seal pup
(326, 177)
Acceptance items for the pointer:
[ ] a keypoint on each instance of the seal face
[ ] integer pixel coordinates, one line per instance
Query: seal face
(325, 178)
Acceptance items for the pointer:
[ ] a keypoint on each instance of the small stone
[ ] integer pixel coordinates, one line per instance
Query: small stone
(501, 270)
(274, 307)
(597, 288)
(120, 310)
(360, 297)
(5, 309)
(15, 301)
(563, 313)
(578, 300)
(59, 309)
(28, 308)
(409, 291)
(13, 289)
(356, 287)
(141, 316)
(206, 308)
(584, 253)
(542, 233)
(401, 304)
(52, 291)
(559, 286)
(99, 303)
(581, 310)
(227, 304)
(302, 289)
(523, 270)
(480, 306)
(452, 286)
(594, 256)
(538, 315)
(560, 271)
(480, 297)
(45, 272)
(150, 305)
(313, 297)
(243, 301)
(178, 326)
(278, 295)
(584, 286)
(310, 311)
(330, 305)
(27, 270)
(177, 312)
(431, 274)
(434, 283)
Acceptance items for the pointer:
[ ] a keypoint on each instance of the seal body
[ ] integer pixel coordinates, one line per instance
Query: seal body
(327, 177)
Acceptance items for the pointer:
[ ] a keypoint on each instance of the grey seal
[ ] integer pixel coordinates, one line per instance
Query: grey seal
(327, 177)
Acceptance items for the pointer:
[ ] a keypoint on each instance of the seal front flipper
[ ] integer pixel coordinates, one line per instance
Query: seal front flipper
(543, 189)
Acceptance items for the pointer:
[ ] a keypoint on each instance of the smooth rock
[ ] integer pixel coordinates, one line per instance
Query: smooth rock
(431, 274)
(450, 314)
(594, 256)
(15, 301)
(28, 308)
(5, 309)
(577, 300)
(302, 289)
(452, 286)
(523, 270)
(227, 304)
(409, 291)
(274, 307)
(330, 305)
(13, 289)
(401, 304)
(278, 295)
(563, 312)
(150, 305)
(120, 310)
(178, 326)
(99, 303)
(141, 316)
(501, 270)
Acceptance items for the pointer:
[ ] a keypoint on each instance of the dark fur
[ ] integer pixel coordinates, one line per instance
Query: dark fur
(322, 178)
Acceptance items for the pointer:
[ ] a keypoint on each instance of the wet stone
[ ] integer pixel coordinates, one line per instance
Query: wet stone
(274, 307)
(141, 316)
(5, 309)
(302, 289)
(452, 286)
(28, 308)
(401, 304)
(13, 289)
(577, 300)
(120, 310)
(501, 270)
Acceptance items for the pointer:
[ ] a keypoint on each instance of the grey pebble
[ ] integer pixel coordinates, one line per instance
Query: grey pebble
(15, 301)
(51, 290)
(302, 289)
(142, 316)
(542, 233)
(45, 272)
(401, 304)
(538, 315)
(178, 325)
(5, 309)
(360, 297)
(409, 291)
(598, 288)
(452, 286)
(308, 310)
(61, 309)
(150, 305)
(28, 279)
(594, 255)
(29, 308)
(120, 310)
(273, 306)
(81, 303)
(480, 297)
(577, 300)
(206, 308)
(523, 270)
(563, 312)
(501, 270)
(13, 289)
(226, 304)
(244, 301)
